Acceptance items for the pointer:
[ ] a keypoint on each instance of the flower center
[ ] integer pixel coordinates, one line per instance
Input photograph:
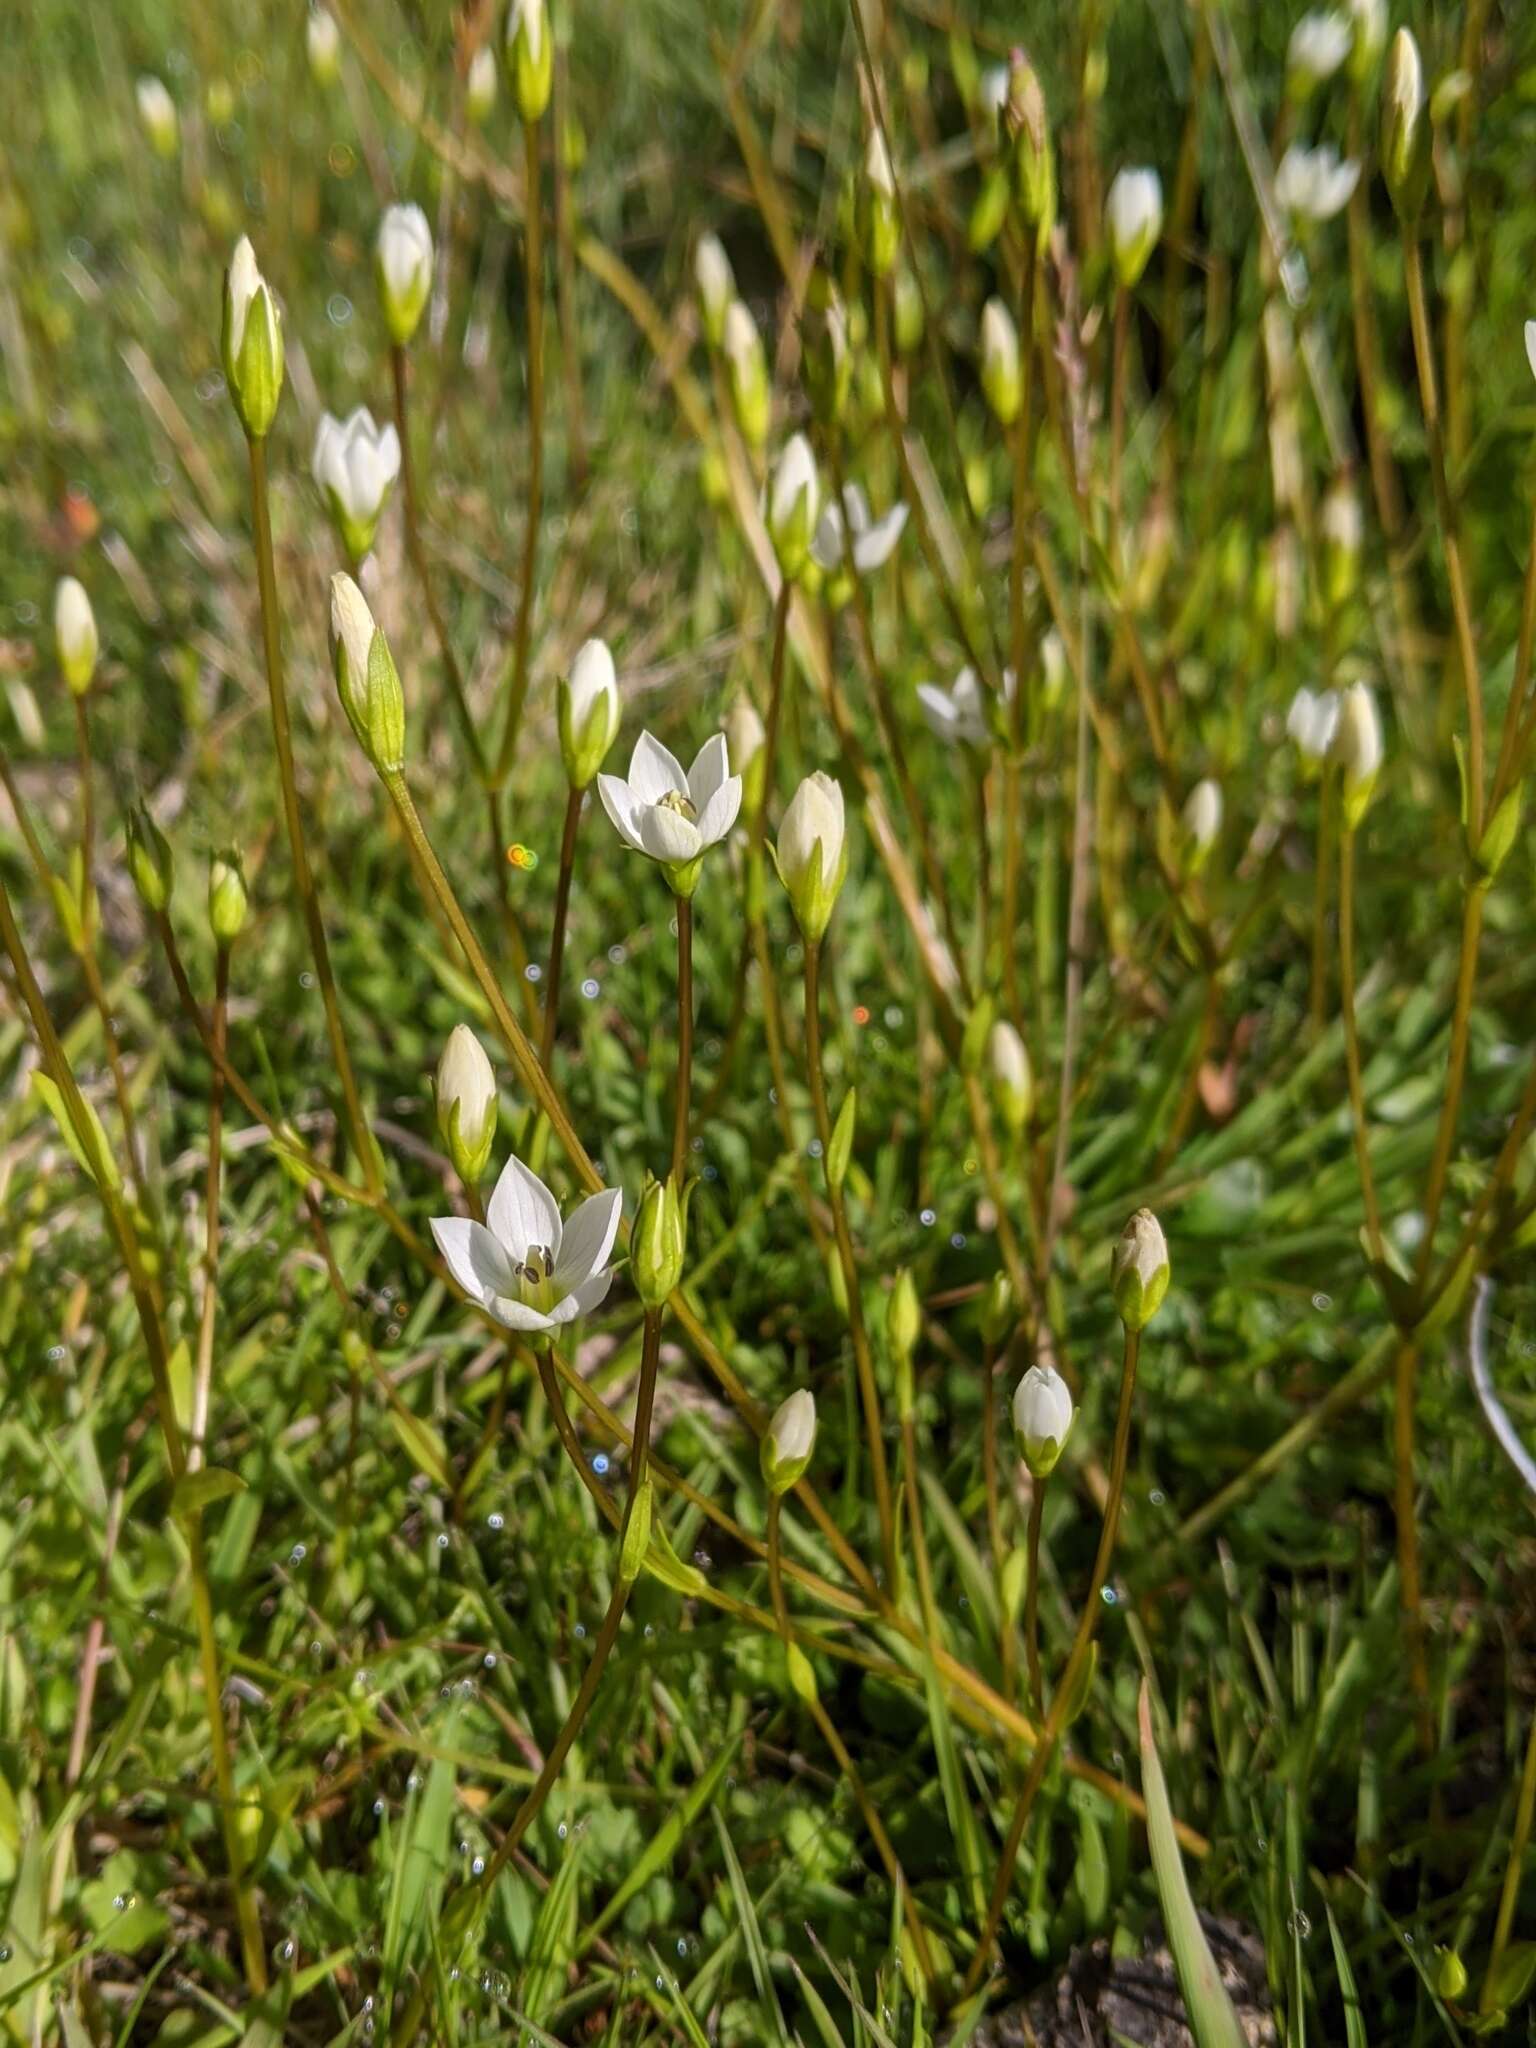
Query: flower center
(675, 800)
(536, 1278)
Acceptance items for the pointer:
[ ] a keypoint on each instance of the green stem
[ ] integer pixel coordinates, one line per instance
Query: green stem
(202, 1378)
(1325, 823)
(1525, 1807)
(1455, 1075)
(1352, 1039)
(991, 1489)
(684, 908)
(557, 938)
(533, 251)
(303, 875)
(1405, 1511)
(1032, 1599)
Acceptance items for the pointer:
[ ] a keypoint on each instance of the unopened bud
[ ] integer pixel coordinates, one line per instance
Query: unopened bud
(999, 1311)
(228, 901)
(1001, 378)
(322, 42)
(1042, 1418)
(1358, 748)
(252, 342)
(747, 373)
(789, 1441)
(1343, 527)
(812, 852)
(1139, 1271)
(150, 861)
(402, 266)
(588, 712)
(879, 222)
(1202, 822)
(716, 283)
(1404, 130)
(1133, 216)
(466, 1104)
(794, 499)
(907, 306)
(157, 111)
(74, 634)
(480, 85)
(1034, 163)
(531, 53)
(657, 1246)
(367, 680)
(828, 363)
(903, 1315)
(1012, 1078)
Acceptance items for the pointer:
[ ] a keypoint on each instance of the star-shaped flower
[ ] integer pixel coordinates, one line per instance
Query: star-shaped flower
(522, 1265)
(671, 817)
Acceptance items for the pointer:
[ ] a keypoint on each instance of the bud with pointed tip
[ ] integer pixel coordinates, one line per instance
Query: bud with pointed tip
(589, 712)
(402, 268)
(657, 1246)
(74, 634)
(466, 1104)
(716, 283)
(1404, 130)
(157, 110)
(1202, 821)
(1001, 379)
(1450, 1974)
(1034, 163)
(1012, 1078)
(1368, 21)
(252, 342)
(1133, 216)
(322, 41)
(747, 372)
(531, 50)
(1358, 748)
(1139, 1270)
(228, 901)
(794, 499)
(812, 852)
(789, 1441)
(480, 85)
(150, 861)
(879, 222)
(903, 1315)
(824, 338)
(999, 1310)
(366, 678)
(1042, 1418)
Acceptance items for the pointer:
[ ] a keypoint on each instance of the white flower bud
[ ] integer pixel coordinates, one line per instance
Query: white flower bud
(1133, 215)
(1042, 1418)
(744, 733)
(1012, 1076)
(789, 1441)
(1319, 45)
(531, 48)
(1053, 667)
(355, 465)
(879, 221)
(1139, 1270)
(480, 85)
(794, 498)
(716, 281)
(748, 371)
(157, 111)
(589, 712)
(1358, 748)
(1000, 373)
(403, 268)
(252, 342)
(366, 678)
(228, 899)
(1202, 819)
(74, 634)
(1368, 21)
(322, 41)
(1404, 131)
(812, 852)
(1530, 345)
(466, 1103)
(1312, 721)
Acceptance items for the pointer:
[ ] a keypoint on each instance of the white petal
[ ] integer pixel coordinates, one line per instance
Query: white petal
(620, 806)
(719, 814)
(522, 1212)
(583, 1299)
(858, 508)
(710, 768)
(874, 546)
(1530, 345)
(827, 545)
(473, 1256)
(589, 1234)
(667, 835)
(938, 710)
(517, 1315)
(654, 773)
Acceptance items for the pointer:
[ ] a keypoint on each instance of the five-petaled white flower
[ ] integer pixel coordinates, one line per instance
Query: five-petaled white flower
(874, 540)
(522, 1265)
(669, 816)
(1313, 183)
(960, 714)
(355, 465)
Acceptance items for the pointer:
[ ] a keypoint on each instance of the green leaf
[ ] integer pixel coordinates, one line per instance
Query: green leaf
(1211, 2018)
(423, 1445)
(663, 1845)
(1349, 1992)
(637, 1532)
(663, 1562)
(198, 1490)
(53, 1096)
(841, 1148)
(1510, 1984)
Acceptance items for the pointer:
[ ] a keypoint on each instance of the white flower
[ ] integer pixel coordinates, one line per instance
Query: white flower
(403, 260)
(527, 15)
(480, 84)
(959, 715)
(521, 1265)
(157, 110)
(1368, 20)
(874, 540)
(1319, 45)
(1133, 214)
(671, 817)
(355, 465)
(1202, 816)
(322, 39)
(794, 493)
(1042, 1417)
(1312, 721)
(1313, 183)
(812, 851)
(716, 281)
(74, 633)
(992, 91)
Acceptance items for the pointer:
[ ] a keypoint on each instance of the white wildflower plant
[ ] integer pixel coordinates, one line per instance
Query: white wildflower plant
(670, 817)
(525, 1267)
(355, 465)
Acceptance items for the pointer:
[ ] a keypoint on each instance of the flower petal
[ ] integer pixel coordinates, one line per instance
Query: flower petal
(719, 814)
(827, 546)
(473, 1257)
(522, 1212)
(589, 1234)
(653, 772)
(939, 710)
(619, 803)
(857, 506)
(710, 768)
(517, 1315)
(583, 1299)
(875, 545)
(666, 835)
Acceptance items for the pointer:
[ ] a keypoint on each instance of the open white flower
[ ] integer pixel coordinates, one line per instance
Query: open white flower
(522, 1265)
(960, 714)
(874, 540)
(671, 817)
(403, 261)
(1314, 184)
(1319, 45)
(355, 465)
(1312, 721)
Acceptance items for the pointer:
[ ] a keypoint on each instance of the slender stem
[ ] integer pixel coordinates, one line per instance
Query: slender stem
(1509, 746)
(1077, 934)
(1325, 822)
(839, 1749)
(1405, 1510)
(565, 279)
(1118, 356)
(87, 797)
(1036, 1702)
(1352, 1038)
(992, 1491)
(562, 908)
(533, 252)
(1525, 1808)
(202, 1378)
(1023, 453)
(1455, 1074)
(863, 1362)
(1450, 540)
(684, 1084)
(415, 547)
(1082, 1643)
(303, 875)
(98, 994)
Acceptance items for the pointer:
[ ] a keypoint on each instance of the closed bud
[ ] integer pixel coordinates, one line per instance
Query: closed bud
(589, 712)
(824, 336)
(531, 53)
(1042, 1418)
(716, 283)
(657, 1246)
(157, 111)
(402, 267)
(1028, 131)
(367, 680)
(1343, 526)
(1133, 217)
(322, 42)
(903, 1315)
(812, 852)
(976, 1038)
(228, 902)
(1404, 131)
(989, 210)
(840, 1150)
(1450, 1974)
(480, 85)
(1358, 748)
(794, 498)
(879, 222)
(1139, 1270)
(150, 861)
(747, 373)
(744, 741)
(1319, 45)
(466, 1104)
(1202, 822)
(907, 305)
(999, 1310)
(355, 464)
(789, 1441)
(1368, 22)
(1001, 379)
(1012, 1078)
(74, 634)
(252, 342)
